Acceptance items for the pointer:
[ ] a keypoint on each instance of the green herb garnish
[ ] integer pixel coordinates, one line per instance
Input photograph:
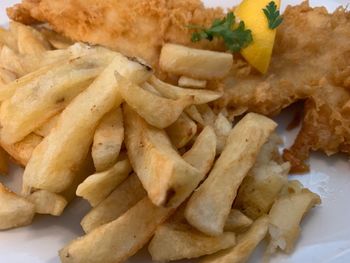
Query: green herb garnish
(235, 37)
(273, 15)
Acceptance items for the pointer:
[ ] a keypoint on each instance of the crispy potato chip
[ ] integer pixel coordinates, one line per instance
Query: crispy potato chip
(157, 111)
(195, 63)
(167, 178)
(182, 131)
(119, 239)
(175, 241)
(174, 92)
(98, 186)
(29, 40)
(187, 82)
(15, 211)
(22, 151)
(108, 139)
(117, 203)
(203, 151)
(222, 127)
(237, 221)
(54, 162)
(48, 203)
(210, 205)
(33, 104)
(262, 186)
(47, 127)
(246, 243)
(56, 40)
(285, 217)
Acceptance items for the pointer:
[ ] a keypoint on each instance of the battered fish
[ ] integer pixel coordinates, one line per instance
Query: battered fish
(133, 27)
(311, 58)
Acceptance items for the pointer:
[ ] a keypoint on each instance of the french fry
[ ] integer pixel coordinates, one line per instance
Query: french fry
(33, 104)
(261, 188)
(119, 239)
(54, 162)
(157, 111)
(153, 157)
(22, 151)
(237, 221)
(203, 151)
(187, 82)
(56, 40)
(246, 243)
(210, 205)
(108, 139)
(150, 88)
(285, 217)
(117, 203)
(174, 92)
(98, 186)
(47, 127)
(29, 40)
(222, 127)
(195, 63)
(177, 240)
(3, 162)
(15, 211)
(48, 203)
(6, 77)
(182, 131)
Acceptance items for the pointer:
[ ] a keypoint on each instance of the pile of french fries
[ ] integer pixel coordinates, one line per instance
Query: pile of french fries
(157, 164)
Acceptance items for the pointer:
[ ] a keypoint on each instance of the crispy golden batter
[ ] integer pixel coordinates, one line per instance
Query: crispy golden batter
(133, 27)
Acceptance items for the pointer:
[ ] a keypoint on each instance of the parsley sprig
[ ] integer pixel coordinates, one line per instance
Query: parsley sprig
(273, 15)
(235, 37)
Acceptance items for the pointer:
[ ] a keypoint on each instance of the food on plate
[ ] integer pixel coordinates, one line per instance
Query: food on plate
(210, 205)
(246, 243)
(4, 165)
(284, 230)
(108, 139)
(138, 28)
(48, 203)
(116, 204)
(98, 186)
(15, 211)
(194, 63)
(179, 154)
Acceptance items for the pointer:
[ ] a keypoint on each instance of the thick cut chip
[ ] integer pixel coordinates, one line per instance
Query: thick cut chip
(8, 39)
(187, 82)
(33, 104)
(222, 127)
(48, 203)
(6, 77)
(237, 221)
(117, 203)
(3, 162)
(285, 217)
(98, 186)
(56, 40)
(265, 181)
(119, 239)
(210, 205)
(55, 161)
(29, 40)
(157, 111)
(195, 63)
(22, 151)
(175, 241)
(182, 131)
(167, 178)
(174, 92)
(246, 243)
(203, 151)
(108, 139)
(195, 115)
(15, 211)
(47, 127)
(207, 114)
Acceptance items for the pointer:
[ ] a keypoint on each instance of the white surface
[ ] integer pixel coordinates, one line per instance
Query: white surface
(326, 231)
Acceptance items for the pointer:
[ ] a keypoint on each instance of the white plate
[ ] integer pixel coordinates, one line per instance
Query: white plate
(325, 235)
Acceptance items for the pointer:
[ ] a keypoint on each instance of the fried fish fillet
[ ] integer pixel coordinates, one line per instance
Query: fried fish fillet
(133, 27)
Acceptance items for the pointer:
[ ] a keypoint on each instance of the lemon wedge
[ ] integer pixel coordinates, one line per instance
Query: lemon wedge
(259, 52)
